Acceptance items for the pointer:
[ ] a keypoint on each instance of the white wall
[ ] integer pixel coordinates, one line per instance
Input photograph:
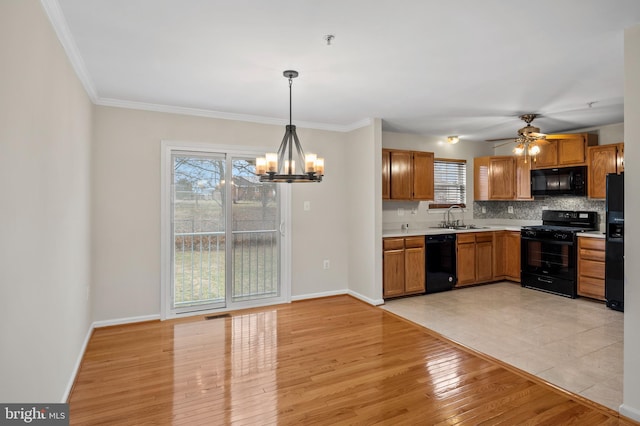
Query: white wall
(126, 205)
(364, 186)
(45, 141)
(463, 150)
(631, 393)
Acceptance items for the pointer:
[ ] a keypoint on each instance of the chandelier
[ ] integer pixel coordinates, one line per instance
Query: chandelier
(285, 166)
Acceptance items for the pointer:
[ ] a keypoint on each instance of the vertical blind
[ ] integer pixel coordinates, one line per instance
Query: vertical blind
(450, 181)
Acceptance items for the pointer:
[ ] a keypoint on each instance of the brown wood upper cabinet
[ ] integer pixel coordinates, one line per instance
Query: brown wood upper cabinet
(603, 159)
(501, 178)
(407, 175)
(564, 150)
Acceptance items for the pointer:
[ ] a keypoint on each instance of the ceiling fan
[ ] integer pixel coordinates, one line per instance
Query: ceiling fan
(528, 140)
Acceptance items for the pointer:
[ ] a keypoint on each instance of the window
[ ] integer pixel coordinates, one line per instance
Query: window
(450, 183)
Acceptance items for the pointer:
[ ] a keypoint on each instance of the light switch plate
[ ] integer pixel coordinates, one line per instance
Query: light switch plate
(307, 206)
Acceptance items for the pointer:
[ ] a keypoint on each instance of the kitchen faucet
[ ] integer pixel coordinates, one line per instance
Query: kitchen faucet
(448, 222)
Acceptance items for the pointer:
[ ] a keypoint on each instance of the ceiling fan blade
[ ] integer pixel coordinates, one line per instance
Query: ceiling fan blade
(501, 139)
(503, 144)
(538, 135)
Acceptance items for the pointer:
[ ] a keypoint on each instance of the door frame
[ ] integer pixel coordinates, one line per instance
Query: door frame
(167, 147)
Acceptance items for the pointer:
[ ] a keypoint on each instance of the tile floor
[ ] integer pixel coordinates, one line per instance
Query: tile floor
(576, 344)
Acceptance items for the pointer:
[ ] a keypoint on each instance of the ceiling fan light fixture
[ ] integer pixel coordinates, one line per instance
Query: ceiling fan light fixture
(453, 140)
(519, 149)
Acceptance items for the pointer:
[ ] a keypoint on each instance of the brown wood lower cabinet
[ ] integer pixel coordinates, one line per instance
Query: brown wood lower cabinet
(506, 255)
(591, 258)
(474, 258)
(403, 266)
(481, 257)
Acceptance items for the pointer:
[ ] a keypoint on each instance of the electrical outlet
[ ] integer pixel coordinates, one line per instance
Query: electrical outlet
(510, 209)
(307, 206)
(545, 207)
(400, 211)
(325, 264)
(484, 209)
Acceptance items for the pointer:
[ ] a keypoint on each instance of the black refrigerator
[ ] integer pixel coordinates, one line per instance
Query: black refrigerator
(614, 246)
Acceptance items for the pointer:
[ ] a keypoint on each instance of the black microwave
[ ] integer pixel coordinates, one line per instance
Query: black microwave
(559, 181)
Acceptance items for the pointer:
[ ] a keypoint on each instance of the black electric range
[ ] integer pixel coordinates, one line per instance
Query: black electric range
(549, 254)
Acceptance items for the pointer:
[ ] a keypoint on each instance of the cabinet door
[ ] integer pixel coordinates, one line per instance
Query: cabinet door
(423, 176)
(502, 178)
(414, 261)
(512, 249)
(602, 161)
(400, 175)
(393, 273)
(499, 255)
(484, 261)
(386, 170)
(466, 259)
(481, 178)
(548, 156)
(572, 150)
(620, 158)
(523, 179)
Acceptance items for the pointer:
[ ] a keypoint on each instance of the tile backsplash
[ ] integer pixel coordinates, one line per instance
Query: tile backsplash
(532, 210)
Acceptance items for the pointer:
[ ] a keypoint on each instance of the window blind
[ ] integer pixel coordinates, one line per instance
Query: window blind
(450, 182)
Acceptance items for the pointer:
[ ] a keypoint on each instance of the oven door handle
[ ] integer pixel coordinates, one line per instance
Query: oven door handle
(545, 281)
(546, 240)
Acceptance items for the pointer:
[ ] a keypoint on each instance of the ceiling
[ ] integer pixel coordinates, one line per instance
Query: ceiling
(429, 67)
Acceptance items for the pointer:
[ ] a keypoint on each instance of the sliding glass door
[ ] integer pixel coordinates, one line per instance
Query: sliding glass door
(225, 233)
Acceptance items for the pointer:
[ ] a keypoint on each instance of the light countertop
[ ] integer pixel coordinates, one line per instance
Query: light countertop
(592, 234)
(439, 231)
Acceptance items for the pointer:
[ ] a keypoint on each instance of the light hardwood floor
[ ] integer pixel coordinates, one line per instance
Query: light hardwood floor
(325, 361)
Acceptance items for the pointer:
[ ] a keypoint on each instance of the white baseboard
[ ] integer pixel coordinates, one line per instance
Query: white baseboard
(374, 302)
(129, 320)
(76, 367)
(630, 412)
(317, 295)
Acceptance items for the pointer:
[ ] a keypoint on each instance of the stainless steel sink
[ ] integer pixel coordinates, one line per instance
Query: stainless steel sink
(461, 227)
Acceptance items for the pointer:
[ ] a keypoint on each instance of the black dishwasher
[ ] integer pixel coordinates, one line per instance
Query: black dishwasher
(440, 262)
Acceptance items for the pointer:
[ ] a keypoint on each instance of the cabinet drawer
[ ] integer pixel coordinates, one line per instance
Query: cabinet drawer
(592, 269)
(589, 254)
(393, 243)
(592, 243)
(414, 242)
(484, 237)
(466, 238)
(591, 287)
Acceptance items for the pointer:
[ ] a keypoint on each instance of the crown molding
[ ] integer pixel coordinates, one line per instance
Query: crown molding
(59, 23)
(118, 103)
